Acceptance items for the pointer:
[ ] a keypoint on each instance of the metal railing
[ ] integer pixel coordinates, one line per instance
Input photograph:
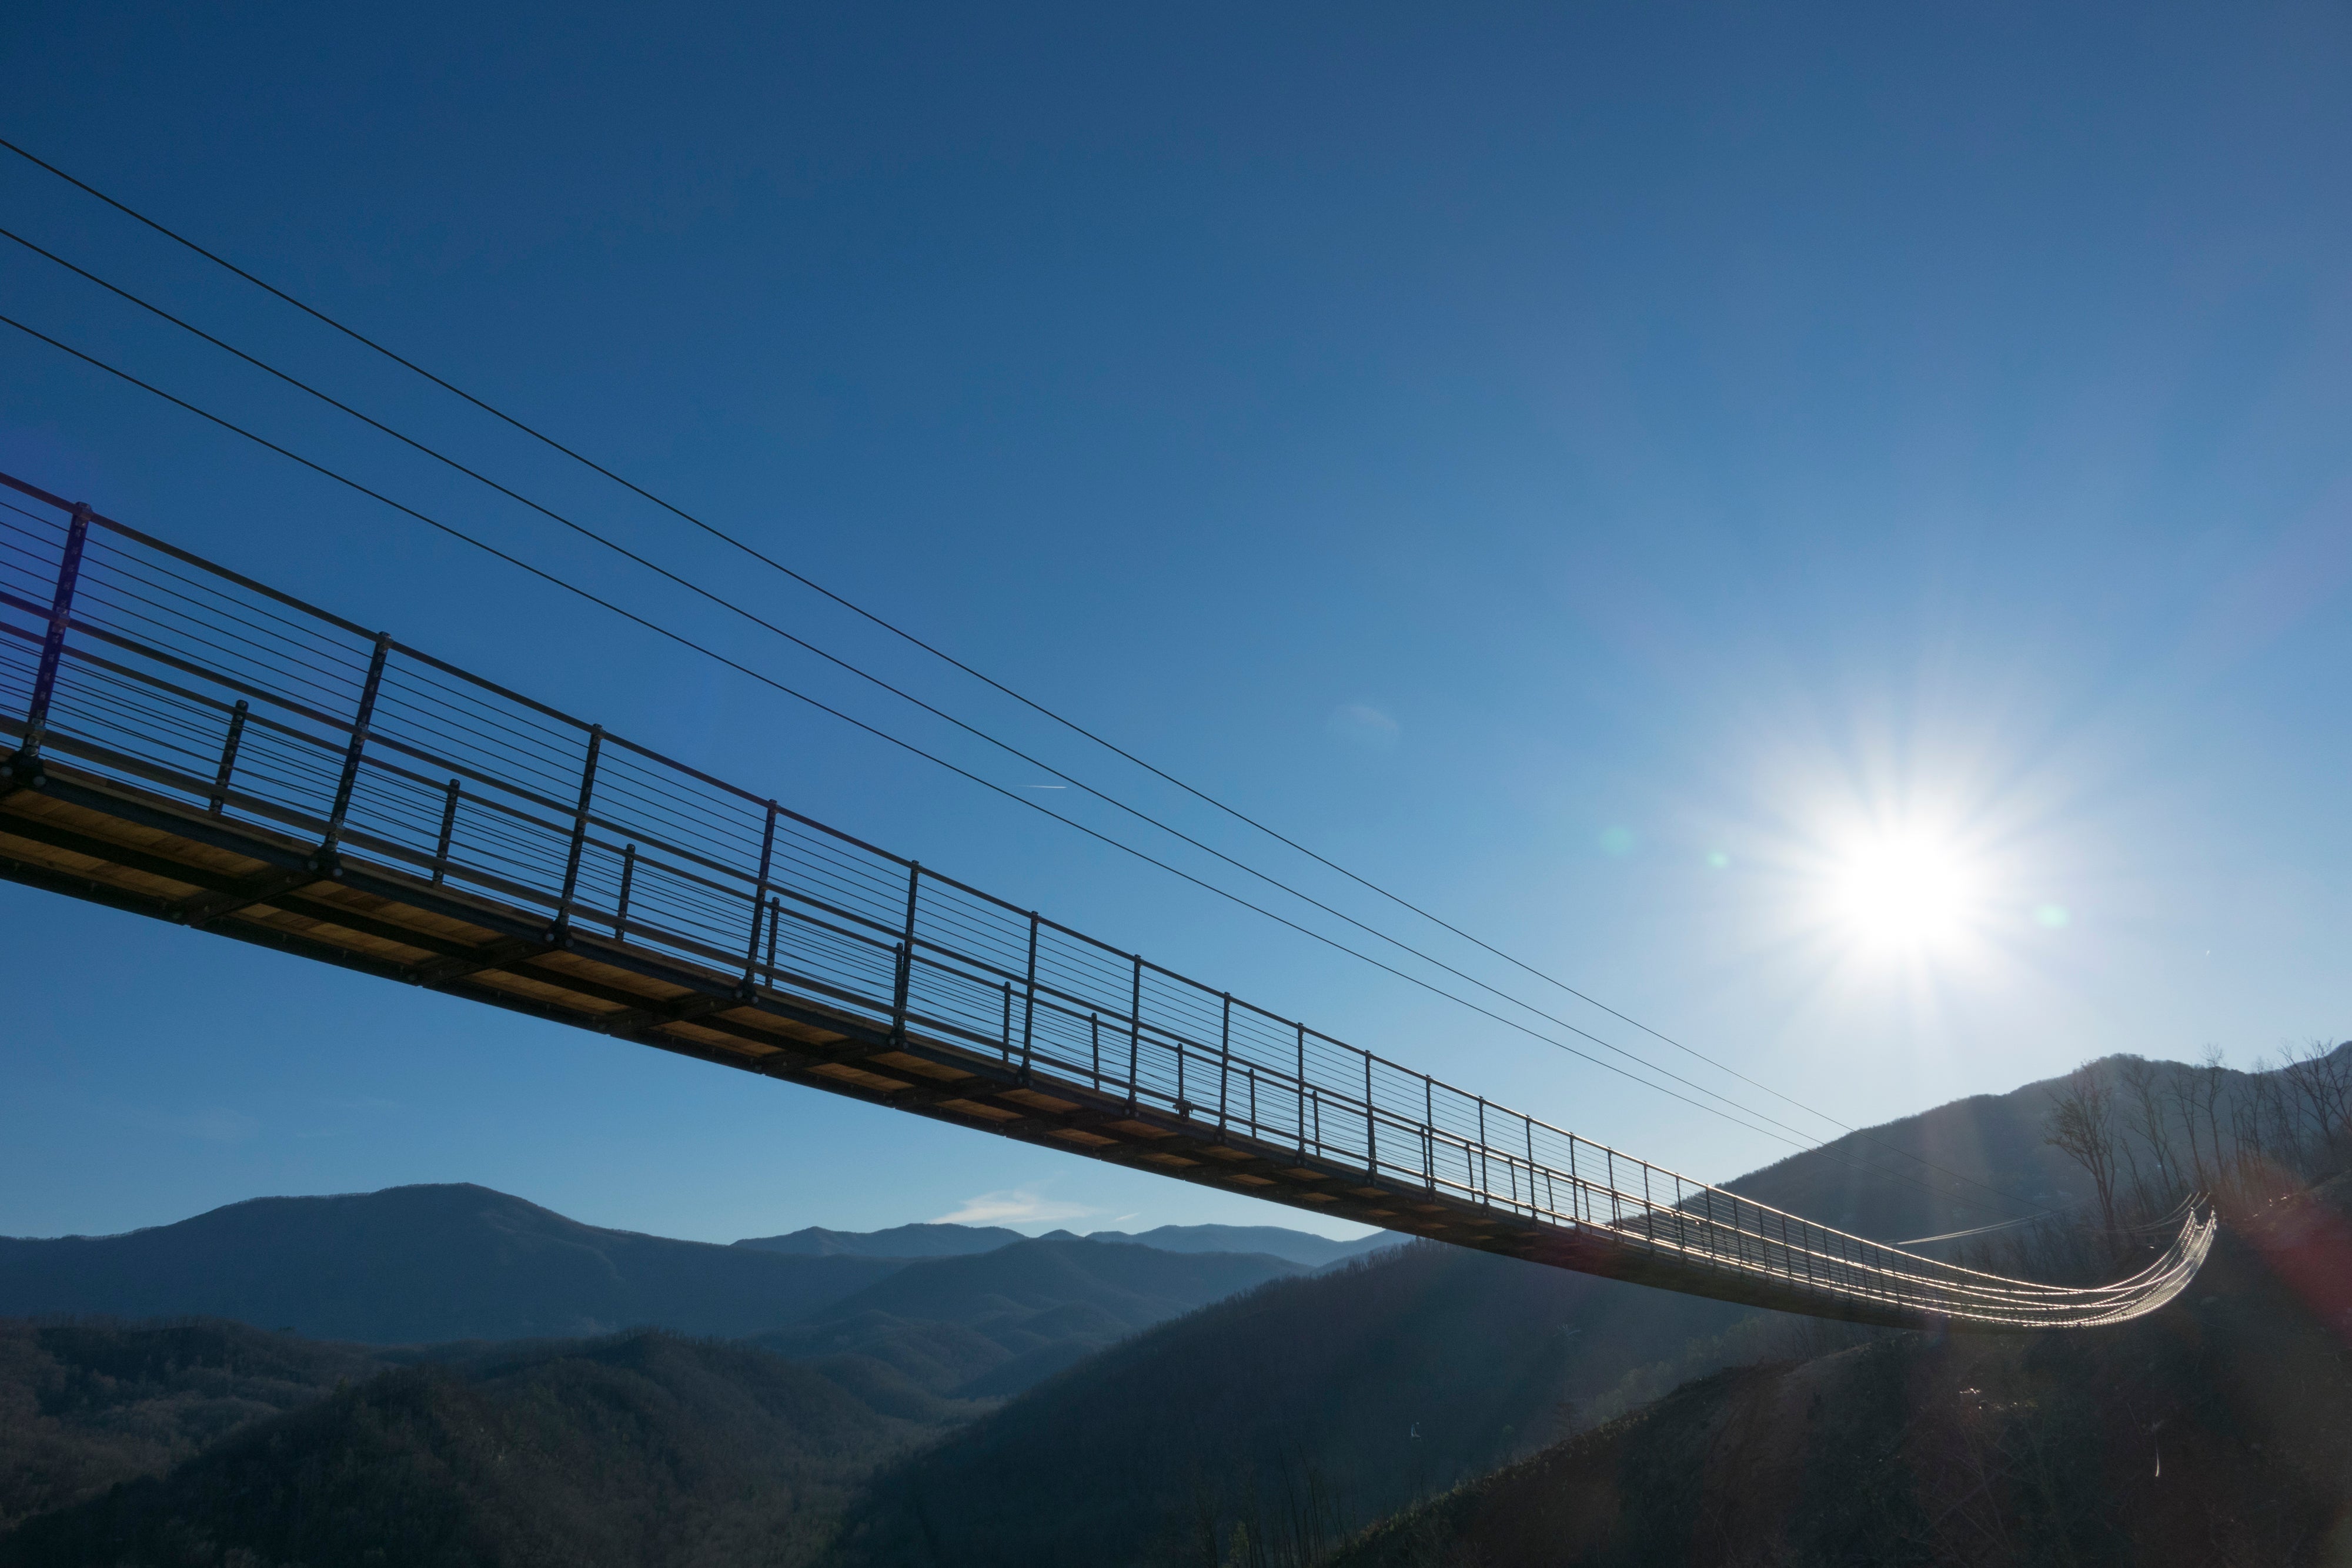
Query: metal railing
(148, 664)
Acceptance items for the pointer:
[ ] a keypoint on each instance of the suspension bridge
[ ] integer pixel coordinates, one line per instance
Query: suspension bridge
(195, 747)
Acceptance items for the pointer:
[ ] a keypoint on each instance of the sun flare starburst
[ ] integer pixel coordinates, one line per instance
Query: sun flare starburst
(1910, 891)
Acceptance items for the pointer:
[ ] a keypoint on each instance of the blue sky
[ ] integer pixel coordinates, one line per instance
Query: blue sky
(1622, 477)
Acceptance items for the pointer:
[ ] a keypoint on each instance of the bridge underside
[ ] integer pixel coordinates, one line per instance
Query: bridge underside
(71, 832)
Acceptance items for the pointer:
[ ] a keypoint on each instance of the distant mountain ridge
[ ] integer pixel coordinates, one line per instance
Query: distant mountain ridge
(432, 1264)
(899, 1241)
(945, 1240)
(418, 1263)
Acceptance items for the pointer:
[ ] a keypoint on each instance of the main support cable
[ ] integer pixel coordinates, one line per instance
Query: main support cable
(835, 988)
(876, 732)
(990, 738)
(942, 654)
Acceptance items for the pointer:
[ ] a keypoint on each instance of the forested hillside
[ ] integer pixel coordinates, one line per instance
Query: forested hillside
(995, 1322)
(1064, 1400)
(2169, 1125)
(1331, 1399)
(636, 1452)
(2218, 1431)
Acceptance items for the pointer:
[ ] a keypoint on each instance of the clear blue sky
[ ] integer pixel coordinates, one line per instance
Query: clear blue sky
(1634, 479)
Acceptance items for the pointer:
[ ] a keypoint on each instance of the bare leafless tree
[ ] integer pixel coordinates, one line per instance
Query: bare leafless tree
(2144, 1111)
(2318, 1078)
(2181, 1089)
(2082, 1127)
(2212, 1075)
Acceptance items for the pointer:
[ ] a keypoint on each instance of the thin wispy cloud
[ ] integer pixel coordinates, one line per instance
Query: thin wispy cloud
(1362, 725)
(1014, 1206)
(217, 1126)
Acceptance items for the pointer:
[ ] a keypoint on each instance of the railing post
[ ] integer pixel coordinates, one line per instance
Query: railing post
(1302, 1091)
(449, 828)
(775, 918)
(1429, 1132)
(53, 644)
(219, 798)
(760, 898)
(579, 827)
(906, 979)
(628, 876)
(1029, 1006)
(1093, 1042)
(1224, 1060)
(1134, 1032)
(1371, 1126)
(1484, 1184)
(359, 723)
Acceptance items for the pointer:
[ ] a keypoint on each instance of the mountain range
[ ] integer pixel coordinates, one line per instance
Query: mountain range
(419, 1264)
(1067, 1400)
(935, 1240)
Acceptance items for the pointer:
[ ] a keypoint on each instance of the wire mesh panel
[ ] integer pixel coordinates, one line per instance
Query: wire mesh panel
(145, 665)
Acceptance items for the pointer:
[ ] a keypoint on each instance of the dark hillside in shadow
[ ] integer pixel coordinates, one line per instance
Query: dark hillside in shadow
(1364, 1386)
(2218, 1431)
(636, 1452)
(992, 1324)
(85, 1404)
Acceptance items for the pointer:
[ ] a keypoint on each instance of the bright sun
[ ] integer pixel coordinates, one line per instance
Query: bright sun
(1905, 891)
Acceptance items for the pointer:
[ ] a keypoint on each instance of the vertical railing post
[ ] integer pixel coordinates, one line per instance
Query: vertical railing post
(1429, 1132)
(775, 919)
(1529, 1122)
(1371, 1129)
(449, 828)
(1302, 1091)
(219, 798)
(760, 898)
(1224, 1060)
(628, 880)
(53, 644)
(1134, 1031)
(1486, 1185)
(1094, 1044)
(578, 828)
(906, 978)
(1029, 1005)
(352, 753)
